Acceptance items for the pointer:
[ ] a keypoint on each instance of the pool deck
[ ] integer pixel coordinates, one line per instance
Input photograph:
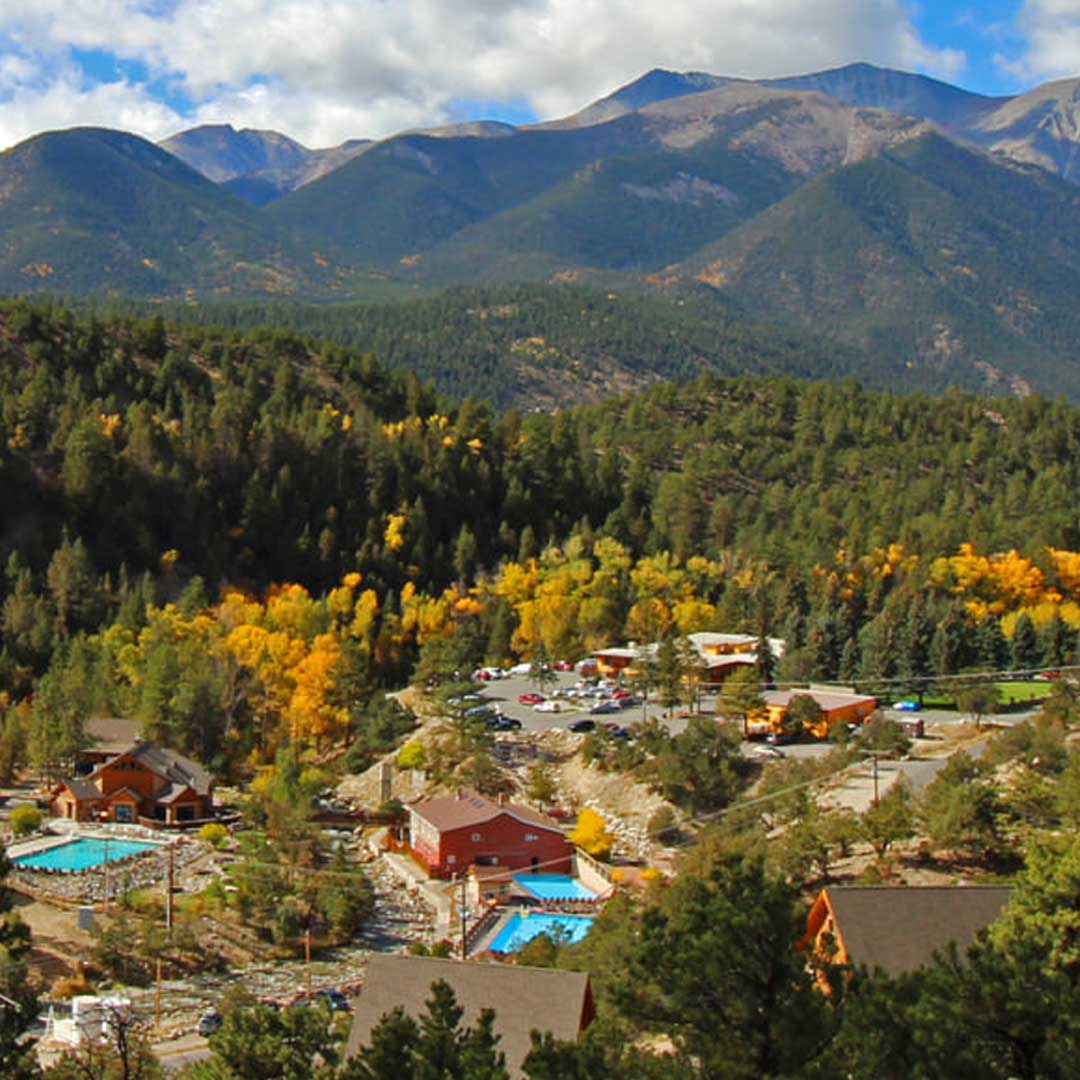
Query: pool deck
(483, 943)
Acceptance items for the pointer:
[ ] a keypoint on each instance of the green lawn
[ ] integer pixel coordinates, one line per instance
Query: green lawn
(1009, 693)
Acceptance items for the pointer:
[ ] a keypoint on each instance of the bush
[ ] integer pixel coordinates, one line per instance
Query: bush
(591, 835)
(412, 756)
(214, 834)
(25, 820)
(662, 823)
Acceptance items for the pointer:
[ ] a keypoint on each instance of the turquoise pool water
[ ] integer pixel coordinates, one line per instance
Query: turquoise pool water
(521, 929)
(554, 887)
(80, 854)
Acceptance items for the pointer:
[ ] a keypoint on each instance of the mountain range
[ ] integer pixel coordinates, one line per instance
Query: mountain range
(892, 212)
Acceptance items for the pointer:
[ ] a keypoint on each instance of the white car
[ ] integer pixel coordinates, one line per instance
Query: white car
(547, 706)
(768, 752)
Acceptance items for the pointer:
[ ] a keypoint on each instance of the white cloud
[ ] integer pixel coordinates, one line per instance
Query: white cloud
(1051, 29)
(326, 70)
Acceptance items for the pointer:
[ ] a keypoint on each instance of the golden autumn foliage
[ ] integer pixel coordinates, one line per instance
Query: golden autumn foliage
(590, 834)
(394, 536)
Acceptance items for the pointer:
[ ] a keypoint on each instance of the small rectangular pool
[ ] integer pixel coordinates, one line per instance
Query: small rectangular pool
(521, 929)
(82, 853)
(554, 887)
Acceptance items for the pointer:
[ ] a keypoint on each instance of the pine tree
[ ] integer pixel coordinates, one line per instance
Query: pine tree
(1025, 652)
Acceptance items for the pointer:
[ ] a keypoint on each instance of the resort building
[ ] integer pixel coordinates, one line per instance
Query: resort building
(143, 783)
(450, 834)
(718, 656)
(898, 929)
(523, 999)
(835, 707)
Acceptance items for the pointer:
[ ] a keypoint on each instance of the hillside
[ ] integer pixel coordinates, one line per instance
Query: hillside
(542, 347)
(92, 210)
(633, 193)
(929, 252)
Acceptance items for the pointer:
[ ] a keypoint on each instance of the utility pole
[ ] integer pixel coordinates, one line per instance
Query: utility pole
(307, 954)
(105, 872)
(464, 916)
(157, 996)
(874, 754)
(169, 887)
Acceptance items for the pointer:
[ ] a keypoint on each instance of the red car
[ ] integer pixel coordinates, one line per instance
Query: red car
(620, 694)
(563, 665)
(530, 699)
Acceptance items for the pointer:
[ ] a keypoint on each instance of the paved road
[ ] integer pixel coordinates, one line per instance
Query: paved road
(176, 1053)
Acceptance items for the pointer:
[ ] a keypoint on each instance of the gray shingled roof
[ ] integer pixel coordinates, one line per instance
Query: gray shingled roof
(898, 929)
(471, 808)
(173, 767)
(524, 999)
(109, 732)
(82, 789)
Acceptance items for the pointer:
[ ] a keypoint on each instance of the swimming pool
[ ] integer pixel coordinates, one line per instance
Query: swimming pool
(82, 853)
(554, 887)
(521, 929)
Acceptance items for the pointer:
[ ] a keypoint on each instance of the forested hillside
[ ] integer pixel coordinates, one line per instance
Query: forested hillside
(146, 465)
(541, 346)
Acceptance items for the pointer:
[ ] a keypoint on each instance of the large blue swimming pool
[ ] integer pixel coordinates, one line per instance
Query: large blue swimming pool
(554, 887)
(81, 854)
(521, 929)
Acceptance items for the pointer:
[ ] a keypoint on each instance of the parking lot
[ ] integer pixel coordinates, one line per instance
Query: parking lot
(505, 692)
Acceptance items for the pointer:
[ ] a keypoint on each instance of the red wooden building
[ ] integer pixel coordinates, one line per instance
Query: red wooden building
(451, 834)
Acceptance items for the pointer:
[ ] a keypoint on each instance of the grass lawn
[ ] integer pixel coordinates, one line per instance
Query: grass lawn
(1012, 692)
(1009, 693)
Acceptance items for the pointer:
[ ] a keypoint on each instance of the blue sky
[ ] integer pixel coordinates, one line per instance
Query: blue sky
(323, 71)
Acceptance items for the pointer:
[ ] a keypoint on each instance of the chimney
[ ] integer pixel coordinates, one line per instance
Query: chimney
(502, 799)
(460, 795)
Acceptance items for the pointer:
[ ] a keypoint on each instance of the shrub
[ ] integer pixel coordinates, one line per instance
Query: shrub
(591, 835)
(662, 823)
(25, 820)
(412, 756)
(213, 833)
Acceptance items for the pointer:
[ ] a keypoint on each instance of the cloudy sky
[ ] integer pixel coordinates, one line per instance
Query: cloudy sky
(326, 70)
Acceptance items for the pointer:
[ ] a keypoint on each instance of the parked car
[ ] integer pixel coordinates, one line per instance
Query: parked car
(769, 752)
(906, 706)
(620, 694)
(333, 997)
(563, 665)
(1047, 676)
(481, 712)
(547, 706)
(530, 699)
(582, 725)
(617, 731)
(606, 707)
(209, 1023)
(498, 722)
(485, 674)
(463, 699)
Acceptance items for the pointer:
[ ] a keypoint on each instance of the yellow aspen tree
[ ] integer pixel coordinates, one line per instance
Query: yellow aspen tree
(590, 834)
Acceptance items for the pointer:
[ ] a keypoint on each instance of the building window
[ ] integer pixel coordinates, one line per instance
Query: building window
(530, 837)
(450, 860)
(122, 813)
(476, 836)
